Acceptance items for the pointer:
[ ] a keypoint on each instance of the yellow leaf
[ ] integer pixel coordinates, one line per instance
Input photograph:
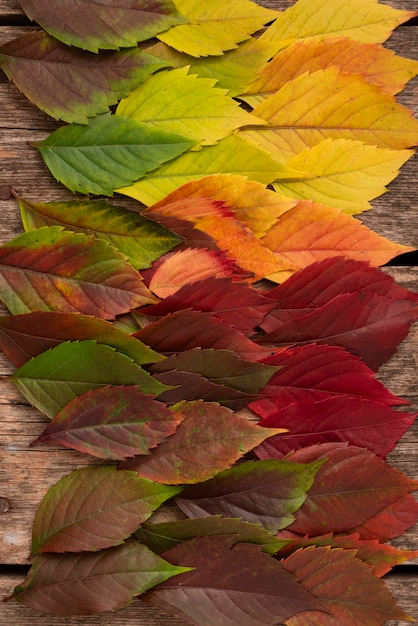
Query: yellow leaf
(187, 105)
(311, 232)
(362, 20)
(215, 26)
(343, 173)
(232, 155)
(251, 202)
(327, 104)
(232, 70)
(374, 62)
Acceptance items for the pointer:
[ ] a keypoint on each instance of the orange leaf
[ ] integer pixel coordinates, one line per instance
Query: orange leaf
(311, 232)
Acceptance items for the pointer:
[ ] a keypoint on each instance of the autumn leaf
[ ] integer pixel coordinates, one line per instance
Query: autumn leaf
(352, 594)
(362, 422)
(311, 232)
(372, 61)
(311, 373)
(104, 506)
(278, 489)
(47, 71)
(50, 269)
(232, 70)
(236, 303)
(210, 439)
(343, 173)
(362, 20)
(25, 336)
(206, 34)
(112, 423)
(54, 378)
(142, 241)
(352, 487)
(231, 155)
(329, 105)
(182, 103)
(392, 522)
(93, 26)
(184, 330)
(110, 151)
(230, 585)
(165, 535)
(90, 582)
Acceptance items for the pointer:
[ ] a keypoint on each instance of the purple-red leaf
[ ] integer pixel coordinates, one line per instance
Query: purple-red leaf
(231, 585)
(349, 592)
(112, 423)
(312, 372)
(262, 492)
(352, 488)
(361, 422)
(184, 330)
(94, 508)
(209, 440)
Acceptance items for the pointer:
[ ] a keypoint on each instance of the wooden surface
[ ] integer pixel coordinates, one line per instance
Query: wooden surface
(26, 474)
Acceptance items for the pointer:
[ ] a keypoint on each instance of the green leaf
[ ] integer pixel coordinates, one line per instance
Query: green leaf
(93, 508)
(112, 423)
(111, 151)
(90, 582)
(51, 380)
(183, 103)
(232, 155)
(50, 269)
(163, 536)
(71, 84)
(142, 241)
(209, 440)
(214, 27)
(261, 492)
(93, 25)
(232, 70)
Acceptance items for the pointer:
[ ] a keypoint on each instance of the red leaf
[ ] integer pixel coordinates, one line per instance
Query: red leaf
(392, 522)
(236, 303)
(112, 423)
(312, 373)
(209, 440)
(367, 325)
(363, 423)
(231, 585)
(348, 591)
(184, 330)
(351, 489)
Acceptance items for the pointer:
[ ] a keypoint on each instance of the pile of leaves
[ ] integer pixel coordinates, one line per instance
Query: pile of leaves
(217, 347)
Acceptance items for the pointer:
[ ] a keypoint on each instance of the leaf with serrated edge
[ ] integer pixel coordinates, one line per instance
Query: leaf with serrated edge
(94, 508)
(164, 535)
(94, 25)
(110, 151)
(343, 173)
(214, 27)
(231, 585)
(112, 423)
(232, 155)
(51, 380)
(277, 489)
(25, 336)
(375, 63)
(361, 20)
(329, 105)
(185, 104)
(49, 269)
(142, 241)
(209, 440)
(91, 582)
(71, 84)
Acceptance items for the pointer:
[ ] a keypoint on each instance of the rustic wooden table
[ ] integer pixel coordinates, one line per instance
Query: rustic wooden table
(26, 473)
